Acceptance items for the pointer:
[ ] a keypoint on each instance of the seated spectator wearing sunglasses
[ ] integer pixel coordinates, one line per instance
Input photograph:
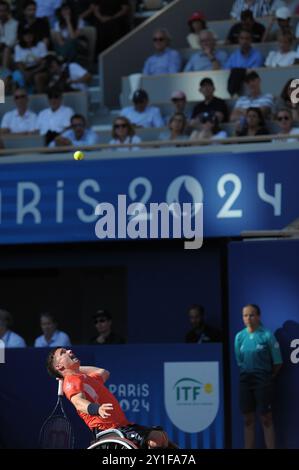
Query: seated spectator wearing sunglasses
(209, 128)
(20, 120)
(285, 123)
(105, 334)
(124, 133)
(165, 59)
(77, 135)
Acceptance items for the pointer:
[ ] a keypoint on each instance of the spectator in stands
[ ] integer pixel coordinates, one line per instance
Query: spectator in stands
(284, 101)
(20, 120)
(176, 128)
(196, 23)
(246, 56)
(285, 123)
(141, 114)
(105, 334)
(67, 76)
(165, 60)
(39, 27)
(254, 98)
(66, 31)
(292, 5)
(208, 58)
(252, 124)
(54, 120)
(200, 331)
(29, 56)
(8, 34)
(280, 22)
(10, 338)
(247, 23)
(47, 8)
(258, 8)
(208, 128)
(51, 336)
(210, 103)
(110, 18)
(78, 135)
(123, 133)
(179, 102)
(285, 56)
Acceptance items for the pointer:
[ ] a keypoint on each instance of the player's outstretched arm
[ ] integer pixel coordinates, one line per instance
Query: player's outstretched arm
(105, 374)
(85, 406)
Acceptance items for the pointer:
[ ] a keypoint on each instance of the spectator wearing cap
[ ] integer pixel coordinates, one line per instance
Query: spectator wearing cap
(245, 56)
(165, 59)
(176, 128)
(247, 23)
(77, 136)
(292, 5)
(141, 114)
(54, 119)
(8, 34)
(51, 336)
(9, 337)
(123, 133)
(254, 98)
(208, 128)
(258, 8)
(208, 57)
(285, 56)
(210, 103)
(67, 76)
(20, 120)
(39, 27)
(105, 334)
(196, 23)
(281, 21)
(179, 102)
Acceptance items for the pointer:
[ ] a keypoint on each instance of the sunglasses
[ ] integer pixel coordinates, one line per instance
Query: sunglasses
(283, 118)
(18, 97)
(100, 320)
(159, 39)
(120, 126)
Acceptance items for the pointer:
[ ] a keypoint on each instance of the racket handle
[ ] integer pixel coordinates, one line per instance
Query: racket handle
(60, 388)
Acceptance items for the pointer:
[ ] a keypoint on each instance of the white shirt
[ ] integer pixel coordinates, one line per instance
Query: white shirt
(59, 338)
(278, 59)
(57, 121)
(129, 140)
(12, 340)
(293, 131)
(64, 31)
(8, 32)
(150, 117)
(30, 55)
(76, 71)
(13, 121)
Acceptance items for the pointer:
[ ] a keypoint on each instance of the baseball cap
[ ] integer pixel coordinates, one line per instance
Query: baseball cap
(251, 76)
(206, 81)
(283, 13)
(139, 96)
(196, 16)
(102, 313)
(178, 95)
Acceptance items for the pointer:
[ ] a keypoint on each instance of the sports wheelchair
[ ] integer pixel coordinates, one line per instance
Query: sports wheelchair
(115, 439)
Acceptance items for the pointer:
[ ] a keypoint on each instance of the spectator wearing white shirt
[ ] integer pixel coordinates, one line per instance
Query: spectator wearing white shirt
(10, 338)
(141, 114)
(20, 120)
(254, 98)
(285, 123)
(29, 56)
(66, 31)
(8, 34)
(54, 120)
(51, 336)
(78, 135)
(47, 8)
(67, 76)
(285, 56)
(165, 59)
(123, 133)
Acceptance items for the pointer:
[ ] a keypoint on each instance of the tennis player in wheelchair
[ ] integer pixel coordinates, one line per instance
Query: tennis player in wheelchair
(98, 407)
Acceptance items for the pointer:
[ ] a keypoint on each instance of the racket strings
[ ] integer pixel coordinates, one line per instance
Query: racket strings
(56, 433)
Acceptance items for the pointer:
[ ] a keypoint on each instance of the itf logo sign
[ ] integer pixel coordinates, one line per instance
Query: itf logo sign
(191, 394)
(2, 352)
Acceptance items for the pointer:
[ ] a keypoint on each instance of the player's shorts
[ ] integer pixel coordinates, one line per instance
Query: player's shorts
(138, 434)
(256, 393)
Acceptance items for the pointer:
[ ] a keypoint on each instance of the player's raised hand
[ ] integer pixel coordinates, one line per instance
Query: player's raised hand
(104, 410)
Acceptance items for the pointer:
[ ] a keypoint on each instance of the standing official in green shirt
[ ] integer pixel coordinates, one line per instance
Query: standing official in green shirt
(259, 359)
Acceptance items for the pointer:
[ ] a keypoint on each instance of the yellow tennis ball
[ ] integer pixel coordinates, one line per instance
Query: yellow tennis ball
(78, 155)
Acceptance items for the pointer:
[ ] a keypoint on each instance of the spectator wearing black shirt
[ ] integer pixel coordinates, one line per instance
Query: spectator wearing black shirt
(210, 103)
(39, 27)
(248, 23)
(200, 332)
(105, 333)
(252, 124)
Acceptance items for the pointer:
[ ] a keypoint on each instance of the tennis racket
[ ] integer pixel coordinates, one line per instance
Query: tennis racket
(57, 432)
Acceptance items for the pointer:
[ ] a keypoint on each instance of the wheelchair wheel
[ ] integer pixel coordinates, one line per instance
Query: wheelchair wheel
(113, 443)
